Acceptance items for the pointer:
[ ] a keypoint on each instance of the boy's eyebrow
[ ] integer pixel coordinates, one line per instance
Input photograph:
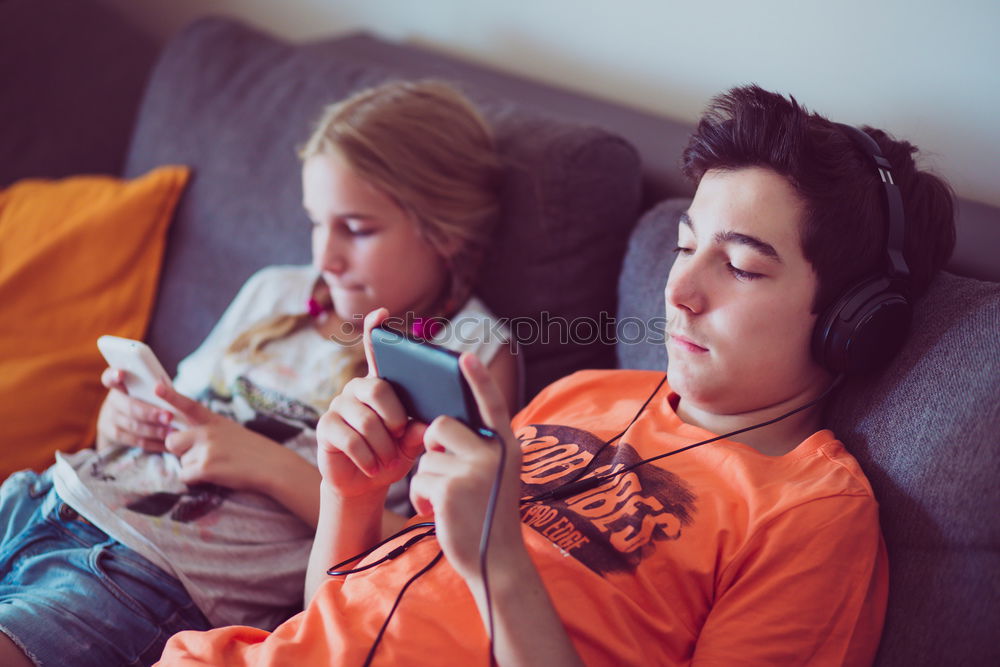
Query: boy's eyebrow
(729, 236)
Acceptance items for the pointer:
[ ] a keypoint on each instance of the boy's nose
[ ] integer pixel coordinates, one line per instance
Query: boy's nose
(683, 291)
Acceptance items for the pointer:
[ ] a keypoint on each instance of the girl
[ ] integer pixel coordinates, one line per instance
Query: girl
(209, 520)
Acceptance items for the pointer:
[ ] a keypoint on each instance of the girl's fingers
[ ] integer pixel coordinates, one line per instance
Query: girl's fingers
(372, 320)
(124, 436)
(151, 445)
(179, 442)
(125, 422)
(142, 411)
(193, 412)
(134, 423)
(112, 378)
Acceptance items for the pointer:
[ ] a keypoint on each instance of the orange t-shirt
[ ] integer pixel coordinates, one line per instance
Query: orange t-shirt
(719, 555)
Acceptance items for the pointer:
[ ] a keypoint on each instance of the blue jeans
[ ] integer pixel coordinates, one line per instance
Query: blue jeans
(71, 595)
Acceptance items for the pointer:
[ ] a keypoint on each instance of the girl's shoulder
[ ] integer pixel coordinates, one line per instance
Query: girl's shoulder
(275, 290)
(475, 309)
(474, 328)
(282, 280)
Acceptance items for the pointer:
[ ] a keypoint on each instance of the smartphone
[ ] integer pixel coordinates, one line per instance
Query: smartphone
(142, 369)
(426, 378)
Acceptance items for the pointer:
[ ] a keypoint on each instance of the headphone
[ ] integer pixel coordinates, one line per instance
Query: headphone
(863, 328)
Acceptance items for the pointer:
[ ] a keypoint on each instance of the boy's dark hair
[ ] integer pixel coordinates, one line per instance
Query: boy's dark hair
(844, 231)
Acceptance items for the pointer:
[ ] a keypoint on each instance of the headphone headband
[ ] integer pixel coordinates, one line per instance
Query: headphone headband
(896, 263)
(867, 324)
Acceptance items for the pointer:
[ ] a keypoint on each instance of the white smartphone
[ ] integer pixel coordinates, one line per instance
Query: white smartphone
(142, 369)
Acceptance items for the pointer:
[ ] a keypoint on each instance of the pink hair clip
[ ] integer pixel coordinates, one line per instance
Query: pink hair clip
(426, 327)
(315, 308)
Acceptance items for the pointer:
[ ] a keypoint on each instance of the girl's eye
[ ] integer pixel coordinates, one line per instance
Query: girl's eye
(681, 250)
(357, 228)
(740, 274)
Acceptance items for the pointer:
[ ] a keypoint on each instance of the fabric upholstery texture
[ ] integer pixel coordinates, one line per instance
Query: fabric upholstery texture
(72, 76)
(79, 257)
(925, 432)
(235, 103)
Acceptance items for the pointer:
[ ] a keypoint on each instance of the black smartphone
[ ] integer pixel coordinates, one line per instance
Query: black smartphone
(426, 378)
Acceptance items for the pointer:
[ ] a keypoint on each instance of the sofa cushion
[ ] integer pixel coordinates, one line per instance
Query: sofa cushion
(640, 322)
(925, 432)
(235, 103)
(79, 258)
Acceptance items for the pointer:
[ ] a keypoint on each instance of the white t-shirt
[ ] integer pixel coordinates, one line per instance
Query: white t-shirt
(241, 556)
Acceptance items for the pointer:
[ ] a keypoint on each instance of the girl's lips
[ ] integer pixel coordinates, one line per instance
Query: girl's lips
(333, 281)
(346, 287)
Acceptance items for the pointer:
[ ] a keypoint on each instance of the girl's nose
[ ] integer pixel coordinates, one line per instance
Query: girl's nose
(331, 257)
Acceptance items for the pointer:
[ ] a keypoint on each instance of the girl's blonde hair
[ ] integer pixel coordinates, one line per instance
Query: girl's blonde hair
(426, 146)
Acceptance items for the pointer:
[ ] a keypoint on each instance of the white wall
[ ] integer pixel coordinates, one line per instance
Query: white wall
(924, 69)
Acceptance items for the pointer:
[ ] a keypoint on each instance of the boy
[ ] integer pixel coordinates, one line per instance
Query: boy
(758, 549)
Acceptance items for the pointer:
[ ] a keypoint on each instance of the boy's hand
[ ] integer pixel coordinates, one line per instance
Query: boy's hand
(365, 441)
(457, 472)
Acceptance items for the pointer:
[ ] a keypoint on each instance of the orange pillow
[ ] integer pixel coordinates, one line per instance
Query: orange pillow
(79, 257)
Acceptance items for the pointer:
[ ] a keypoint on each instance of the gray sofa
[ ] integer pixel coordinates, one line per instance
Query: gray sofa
(233, 102)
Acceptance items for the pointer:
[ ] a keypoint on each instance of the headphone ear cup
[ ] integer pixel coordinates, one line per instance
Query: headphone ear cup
(864, 328)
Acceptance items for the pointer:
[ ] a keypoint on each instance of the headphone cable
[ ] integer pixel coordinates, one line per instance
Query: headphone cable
(484, 541)
(581, 483)
(484, 544)
(399, 598)
(577, 485)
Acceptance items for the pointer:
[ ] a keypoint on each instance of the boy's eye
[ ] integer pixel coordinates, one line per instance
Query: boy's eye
(740, 274)
(737, 273)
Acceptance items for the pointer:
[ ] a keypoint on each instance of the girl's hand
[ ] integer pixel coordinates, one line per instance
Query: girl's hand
(127, 421)
(457, 472)
(365, 441)
(216, 449)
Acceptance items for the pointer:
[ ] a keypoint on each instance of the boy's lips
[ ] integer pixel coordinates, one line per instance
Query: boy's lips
(687, 343)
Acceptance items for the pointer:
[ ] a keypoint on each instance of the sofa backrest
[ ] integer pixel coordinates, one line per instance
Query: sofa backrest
(234, 103)
(926, 430)
(73, 75)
